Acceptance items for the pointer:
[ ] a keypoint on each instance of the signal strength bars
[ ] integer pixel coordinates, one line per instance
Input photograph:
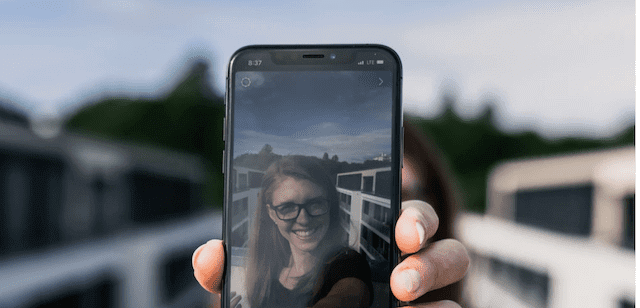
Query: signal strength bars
(371, 62)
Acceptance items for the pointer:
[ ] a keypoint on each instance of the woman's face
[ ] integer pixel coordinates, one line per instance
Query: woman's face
(305, 232)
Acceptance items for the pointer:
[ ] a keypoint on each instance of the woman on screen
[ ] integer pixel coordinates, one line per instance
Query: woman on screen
(297, 251)
(425, 177)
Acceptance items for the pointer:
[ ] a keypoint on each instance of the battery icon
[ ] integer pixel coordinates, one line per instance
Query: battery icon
(380, 62)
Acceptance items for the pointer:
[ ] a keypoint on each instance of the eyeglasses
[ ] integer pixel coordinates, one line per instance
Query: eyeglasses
(290, 211)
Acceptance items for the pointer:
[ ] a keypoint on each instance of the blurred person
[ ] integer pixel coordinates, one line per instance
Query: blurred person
(433, 263)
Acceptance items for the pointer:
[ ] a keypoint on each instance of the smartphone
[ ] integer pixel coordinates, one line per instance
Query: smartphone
(312, 168)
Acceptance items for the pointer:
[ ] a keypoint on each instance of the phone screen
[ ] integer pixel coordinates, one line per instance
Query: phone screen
(312, 188)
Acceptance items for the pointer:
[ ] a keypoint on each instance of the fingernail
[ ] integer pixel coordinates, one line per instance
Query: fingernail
(196, 254)
(411, 280)
(418, 217)
(421, 232)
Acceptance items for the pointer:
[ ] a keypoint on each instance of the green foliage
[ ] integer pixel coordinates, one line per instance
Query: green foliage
(189, 119)
(473, 147)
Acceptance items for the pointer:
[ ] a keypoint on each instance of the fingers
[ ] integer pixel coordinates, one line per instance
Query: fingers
(208, 265)
(442, 263)
(417, 223)
(440, 304)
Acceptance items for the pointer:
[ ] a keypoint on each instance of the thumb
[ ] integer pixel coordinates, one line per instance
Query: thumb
(208, 265)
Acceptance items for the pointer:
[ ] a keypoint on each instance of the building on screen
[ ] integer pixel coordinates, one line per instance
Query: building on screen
(246, 184)
(365, 211)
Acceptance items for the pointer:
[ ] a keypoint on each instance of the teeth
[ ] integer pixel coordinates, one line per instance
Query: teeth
(304, 233)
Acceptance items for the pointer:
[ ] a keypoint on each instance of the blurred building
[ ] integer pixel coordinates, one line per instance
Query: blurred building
(558, 232)
(87, 223)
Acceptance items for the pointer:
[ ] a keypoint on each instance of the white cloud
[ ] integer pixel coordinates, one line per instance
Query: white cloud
(129, 7)
(560, 67)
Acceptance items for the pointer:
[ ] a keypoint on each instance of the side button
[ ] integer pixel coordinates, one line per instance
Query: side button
(402, 149)
(223, 162)
(224, 129)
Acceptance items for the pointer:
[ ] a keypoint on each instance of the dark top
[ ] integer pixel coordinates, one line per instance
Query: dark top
(346, 263)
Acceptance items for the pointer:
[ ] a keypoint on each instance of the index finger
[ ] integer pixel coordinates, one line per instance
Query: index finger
(417, 223)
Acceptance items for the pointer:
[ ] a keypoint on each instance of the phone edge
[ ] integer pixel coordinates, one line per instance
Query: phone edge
(397, 137)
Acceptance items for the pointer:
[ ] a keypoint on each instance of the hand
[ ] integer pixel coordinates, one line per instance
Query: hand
(428, 266)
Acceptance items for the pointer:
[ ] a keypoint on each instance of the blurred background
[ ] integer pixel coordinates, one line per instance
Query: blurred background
(111, 139)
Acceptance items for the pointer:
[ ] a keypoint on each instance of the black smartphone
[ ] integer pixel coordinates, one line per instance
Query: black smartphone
(312, 175)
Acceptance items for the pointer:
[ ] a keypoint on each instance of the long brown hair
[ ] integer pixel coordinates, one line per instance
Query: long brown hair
(269, 251)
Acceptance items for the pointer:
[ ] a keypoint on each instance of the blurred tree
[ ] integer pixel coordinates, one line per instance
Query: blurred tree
(474, 147)
(334, 158)
(9, 112)
(188, 119)
(266, 150)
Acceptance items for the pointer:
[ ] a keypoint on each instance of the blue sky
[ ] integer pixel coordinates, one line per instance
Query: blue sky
(561, 68)
(310, 113)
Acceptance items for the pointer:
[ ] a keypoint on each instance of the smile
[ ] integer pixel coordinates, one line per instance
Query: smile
(305, 234)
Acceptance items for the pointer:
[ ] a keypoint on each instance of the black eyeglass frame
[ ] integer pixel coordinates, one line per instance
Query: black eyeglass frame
(305, 206)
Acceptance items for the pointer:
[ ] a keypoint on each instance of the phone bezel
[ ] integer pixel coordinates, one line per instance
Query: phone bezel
(289, 57)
